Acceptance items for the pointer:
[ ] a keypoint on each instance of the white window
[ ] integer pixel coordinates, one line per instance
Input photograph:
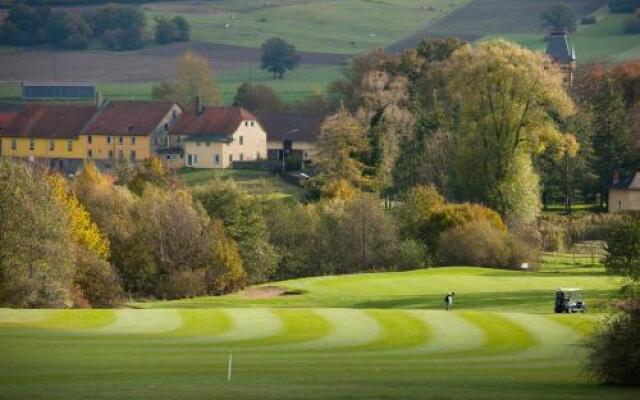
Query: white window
(120, 139)
(133, 140)
(133, 155)
(195, 158)
(230, 157)
(52, 145)
(110, 154)
(241, 157)
(198, 144)
(619, 204)
(216, 159)
(121, 154)
(32, 144)
(252, 123)
(89, 153)
(89, 139)
(69, 145)
(241, 140)
(14, 144)
(208, 144)
(246, 123)
(108, 139)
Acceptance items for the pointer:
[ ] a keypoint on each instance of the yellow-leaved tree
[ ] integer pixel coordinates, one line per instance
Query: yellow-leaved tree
(508, 101)
(196, 78)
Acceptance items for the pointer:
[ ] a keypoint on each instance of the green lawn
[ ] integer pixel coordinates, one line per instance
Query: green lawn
(297, 85)
(604, 40)
(255, 182)
(332, 26)
(370, 336)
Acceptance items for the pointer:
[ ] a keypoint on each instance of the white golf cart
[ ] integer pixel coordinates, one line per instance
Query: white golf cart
(569, 300)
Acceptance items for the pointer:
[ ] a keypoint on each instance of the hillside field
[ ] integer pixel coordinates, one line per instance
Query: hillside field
(370, 336)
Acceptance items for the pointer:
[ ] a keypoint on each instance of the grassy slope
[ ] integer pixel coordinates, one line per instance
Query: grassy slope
(603, 40)
(480, 350)
(297, 85)
(261, 183)
(332, 26)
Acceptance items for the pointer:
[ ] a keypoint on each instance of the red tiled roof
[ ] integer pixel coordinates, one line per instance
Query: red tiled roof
(128, 117)
(50, 121)
(6, 119)
(298, 127)
(212, 121)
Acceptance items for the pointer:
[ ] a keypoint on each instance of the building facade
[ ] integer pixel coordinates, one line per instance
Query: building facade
(216, 137)
(292, 135)
(561, 51)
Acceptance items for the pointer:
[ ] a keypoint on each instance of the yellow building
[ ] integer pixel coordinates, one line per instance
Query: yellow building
(128, 130)
(66, 136)
(216, 137)
(48, 133)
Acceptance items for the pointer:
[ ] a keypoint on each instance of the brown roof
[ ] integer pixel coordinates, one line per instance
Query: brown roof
(128, 117)
(301, 127)
(213, 121)
(50, 121)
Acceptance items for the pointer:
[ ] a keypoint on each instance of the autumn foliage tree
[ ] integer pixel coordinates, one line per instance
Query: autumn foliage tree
(506, 114)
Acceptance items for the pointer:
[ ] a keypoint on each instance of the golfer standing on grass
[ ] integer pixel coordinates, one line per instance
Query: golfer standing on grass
(449, 300)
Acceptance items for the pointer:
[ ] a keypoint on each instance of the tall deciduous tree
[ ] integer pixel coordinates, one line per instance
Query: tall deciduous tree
(507, 99)
(561, 16)
(278, 57)
(611, 136)
(341, 144)
(196, 78)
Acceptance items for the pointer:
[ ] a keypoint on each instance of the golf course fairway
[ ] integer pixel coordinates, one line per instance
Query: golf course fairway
(369, 336)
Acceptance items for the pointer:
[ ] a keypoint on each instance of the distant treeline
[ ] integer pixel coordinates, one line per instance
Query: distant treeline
(116, 27)
(624, 6)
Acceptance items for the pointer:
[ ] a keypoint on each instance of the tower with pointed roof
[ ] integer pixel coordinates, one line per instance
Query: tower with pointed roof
(561, 51)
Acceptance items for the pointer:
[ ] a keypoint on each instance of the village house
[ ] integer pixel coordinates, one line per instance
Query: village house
(131, 130)
(216, 137)
(624, 193)
(292, 135)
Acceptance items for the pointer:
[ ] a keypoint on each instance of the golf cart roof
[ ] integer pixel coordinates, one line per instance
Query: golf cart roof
(569, 290)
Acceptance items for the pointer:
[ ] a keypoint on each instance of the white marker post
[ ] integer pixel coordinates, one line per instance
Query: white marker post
(230, 365)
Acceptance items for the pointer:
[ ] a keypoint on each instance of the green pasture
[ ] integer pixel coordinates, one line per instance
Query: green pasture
(603, 40)
(330, 26)
(297, 85)
(369, 336)
(254, 182)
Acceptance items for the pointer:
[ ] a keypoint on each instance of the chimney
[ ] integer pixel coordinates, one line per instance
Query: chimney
(616, 176)
(199, 107)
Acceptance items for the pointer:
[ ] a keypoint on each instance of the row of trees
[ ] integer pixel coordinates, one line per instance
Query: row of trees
(117, 27)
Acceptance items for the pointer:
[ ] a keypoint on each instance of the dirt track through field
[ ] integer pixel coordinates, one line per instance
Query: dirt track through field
(145, 65)
(486, 17)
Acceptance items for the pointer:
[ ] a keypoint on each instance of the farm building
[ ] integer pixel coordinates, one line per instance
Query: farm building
(294, 134)
(58, 90)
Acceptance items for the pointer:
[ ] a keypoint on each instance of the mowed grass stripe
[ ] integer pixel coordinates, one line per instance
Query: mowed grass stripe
(297, 325)
(14, 317)
(449, 331)
(203, 323)
(349, 328)
(142, 322)
(398, 329)
(248, 324)
(502, 335)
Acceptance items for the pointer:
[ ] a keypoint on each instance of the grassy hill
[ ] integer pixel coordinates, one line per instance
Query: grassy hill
(331, 26)
(370, 336)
